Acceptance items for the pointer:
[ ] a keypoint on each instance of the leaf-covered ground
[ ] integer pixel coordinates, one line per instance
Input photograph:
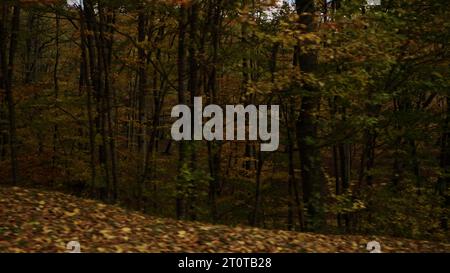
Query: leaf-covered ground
(39, 221)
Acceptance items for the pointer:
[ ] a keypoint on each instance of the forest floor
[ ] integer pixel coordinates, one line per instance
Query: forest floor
(40, 221)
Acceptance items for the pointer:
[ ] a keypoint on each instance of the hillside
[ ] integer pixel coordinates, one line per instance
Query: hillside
(39, 221)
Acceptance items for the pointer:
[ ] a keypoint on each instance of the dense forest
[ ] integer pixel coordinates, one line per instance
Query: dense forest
(87, 88)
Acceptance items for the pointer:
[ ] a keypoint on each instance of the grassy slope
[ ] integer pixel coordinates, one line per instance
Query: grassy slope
(39, 221)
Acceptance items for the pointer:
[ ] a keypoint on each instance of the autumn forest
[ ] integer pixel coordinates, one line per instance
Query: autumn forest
(87, 89)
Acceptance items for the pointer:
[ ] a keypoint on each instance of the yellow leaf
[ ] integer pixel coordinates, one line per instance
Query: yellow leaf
(126, 229)
(71, 214)
(106, 234)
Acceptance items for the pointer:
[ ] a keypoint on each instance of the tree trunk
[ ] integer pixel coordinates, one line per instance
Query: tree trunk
(7, 71)
(443, 183)
(181, 100)
(310, 162)
(85, 85)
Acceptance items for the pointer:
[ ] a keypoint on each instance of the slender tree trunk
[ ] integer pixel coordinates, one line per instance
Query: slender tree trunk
(310, 162)
(142, 75)
(86, 85)
(181, 100)
(193, 85)
(443, 183)
(56, 92)
(3, 76)
(106, 45)
(142, 85)
(214, 148)
(7, 67)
